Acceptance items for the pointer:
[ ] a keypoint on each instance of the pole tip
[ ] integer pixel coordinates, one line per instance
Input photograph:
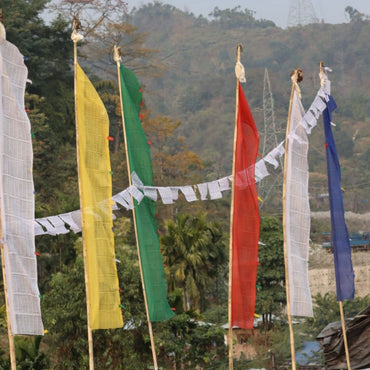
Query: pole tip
(297, 74)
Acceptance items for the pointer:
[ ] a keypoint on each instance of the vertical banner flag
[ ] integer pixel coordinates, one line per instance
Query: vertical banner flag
(297, 213)
(96, 206)
(146, 226)
(17, 196)
(344, 274)
(245, 219)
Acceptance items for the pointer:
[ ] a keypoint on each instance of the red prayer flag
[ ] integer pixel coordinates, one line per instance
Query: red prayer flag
(245, 219)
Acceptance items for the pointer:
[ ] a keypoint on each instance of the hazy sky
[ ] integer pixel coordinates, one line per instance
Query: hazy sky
(331, 11)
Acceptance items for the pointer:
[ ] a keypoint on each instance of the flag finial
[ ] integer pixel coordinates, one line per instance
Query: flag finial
(297, 76)
(239, 68)
(76, 36)
(116, 53)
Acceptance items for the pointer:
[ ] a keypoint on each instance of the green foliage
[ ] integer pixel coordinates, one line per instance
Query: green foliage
(194, 254)
(29, 354)
(183, 340)
(235, 18)
(326, 310)
(271, 272)
(198, 87)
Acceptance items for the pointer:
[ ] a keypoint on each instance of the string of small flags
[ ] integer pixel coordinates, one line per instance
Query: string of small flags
(55, 225)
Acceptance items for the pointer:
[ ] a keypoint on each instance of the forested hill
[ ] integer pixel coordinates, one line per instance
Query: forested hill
(198, 85)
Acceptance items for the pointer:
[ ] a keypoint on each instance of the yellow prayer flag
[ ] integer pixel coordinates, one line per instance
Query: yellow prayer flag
(96, 206)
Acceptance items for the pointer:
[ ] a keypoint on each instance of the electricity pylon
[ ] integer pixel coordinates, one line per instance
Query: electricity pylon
(301, 13)
(270, 188)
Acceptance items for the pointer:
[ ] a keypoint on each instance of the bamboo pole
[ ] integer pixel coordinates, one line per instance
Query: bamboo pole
(75, 39)
(344, 334)
(10, 336)
(230, 331)
(291, 334)
(117, 59)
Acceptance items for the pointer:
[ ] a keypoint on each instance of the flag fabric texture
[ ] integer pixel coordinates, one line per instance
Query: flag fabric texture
(17, 196)
(245, 219)
(297, 212)
(96, 206)
(140, 163)
(344, 274)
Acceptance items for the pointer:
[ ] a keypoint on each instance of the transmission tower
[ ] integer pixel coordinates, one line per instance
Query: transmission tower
(301, 13)
(270, 188)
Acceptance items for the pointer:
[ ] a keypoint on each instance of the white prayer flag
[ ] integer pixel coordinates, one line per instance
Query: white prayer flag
(260, 170)
(297, 213)
(166, 195)
(58, 225)
(224, 184)
(214, 190)
(151, 193)
(69, 220)
(203, 190)
(17, 196)
(189, 193)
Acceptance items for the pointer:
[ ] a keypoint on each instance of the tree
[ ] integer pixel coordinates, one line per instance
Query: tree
(184, 342)
(193, 252)
(93, 14)
(64, 315)
(354, 15)
(271, 272)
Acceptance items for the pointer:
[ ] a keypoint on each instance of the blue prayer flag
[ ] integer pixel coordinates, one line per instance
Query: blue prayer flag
(344, 275)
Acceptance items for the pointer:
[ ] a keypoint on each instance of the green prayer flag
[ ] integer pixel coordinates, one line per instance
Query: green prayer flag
(138, 155)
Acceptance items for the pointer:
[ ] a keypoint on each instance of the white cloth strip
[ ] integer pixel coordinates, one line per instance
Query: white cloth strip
(260, 170)
(50, 229)
(58, 224)
(203, 190)
(124, 199)
(68, 219)
(135, 180)
(189, 193)
(151, 192)
(214, 190)
(166, 195)
(224, 184)
(175, 192)
(17, 196)
(38, 229)
(136, 193)
(297, 214)
(271, 159)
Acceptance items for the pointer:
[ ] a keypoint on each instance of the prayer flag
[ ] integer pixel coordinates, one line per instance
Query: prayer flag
(96, 206)
(17, 196)
(344, 275)
(138, 155)
(297, 212)
(245, 219)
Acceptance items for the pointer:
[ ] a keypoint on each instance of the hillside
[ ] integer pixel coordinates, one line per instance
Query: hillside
(198, 85)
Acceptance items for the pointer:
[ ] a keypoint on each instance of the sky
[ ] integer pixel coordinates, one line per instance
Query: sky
(331, 11)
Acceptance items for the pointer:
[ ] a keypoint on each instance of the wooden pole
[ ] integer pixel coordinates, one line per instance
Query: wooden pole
(291, 334)
(10, 336)
(230, 331)
(117, 59)
(344, 334)
(75, 39)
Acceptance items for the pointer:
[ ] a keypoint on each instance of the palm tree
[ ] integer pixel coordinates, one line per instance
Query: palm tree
(193, 251)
